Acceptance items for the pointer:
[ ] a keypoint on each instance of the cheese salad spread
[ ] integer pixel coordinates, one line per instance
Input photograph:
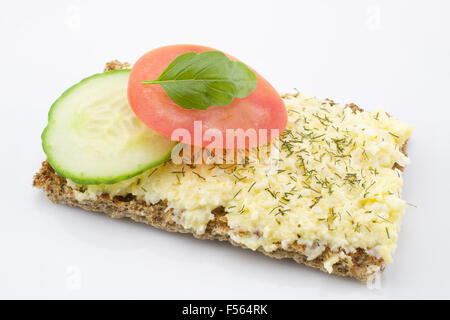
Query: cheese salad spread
(334, 184)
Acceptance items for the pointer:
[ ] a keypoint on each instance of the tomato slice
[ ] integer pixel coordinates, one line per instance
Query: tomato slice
(262, 109)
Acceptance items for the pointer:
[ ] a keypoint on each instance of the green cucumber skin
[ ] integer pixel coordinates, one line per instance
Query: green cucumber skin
(111, 180)
(98, 180)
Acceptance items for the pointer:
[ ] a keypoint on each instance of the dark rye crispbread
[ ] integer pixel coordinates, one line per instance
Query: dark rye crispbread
(359, 265)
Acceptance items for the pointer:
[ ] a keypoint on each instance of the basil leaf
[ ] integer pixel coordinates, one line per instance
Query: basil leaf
(209, 78)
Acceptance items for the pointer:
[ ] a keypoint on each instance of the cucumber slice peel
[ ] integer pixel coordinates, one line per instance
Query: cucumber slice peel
(94, 137)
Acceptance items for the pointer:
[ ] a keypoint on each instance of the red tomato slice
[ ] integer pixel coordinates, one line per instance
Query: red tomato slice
(262, 109)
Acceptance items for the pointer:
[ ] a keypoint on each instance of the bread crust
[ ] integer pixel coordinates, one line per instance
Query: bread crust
(359, 265)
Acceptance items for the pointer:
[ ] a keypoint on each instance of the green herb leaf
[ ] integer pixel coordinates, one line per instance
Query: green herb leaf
(209, 78)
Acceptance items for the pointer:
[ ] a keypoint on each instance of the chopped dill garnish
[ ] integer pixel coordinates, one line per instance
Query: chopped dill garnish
(365, 154)
(271, 193)
(394, 135)
(203, 178)
(181, 171)
(383, 218)
(236, 194)
(307, 186)
(151, 173)
(283, 212)
(367, 189)
(352, 179)
(238, 178)
(273, 209)
(315, 201)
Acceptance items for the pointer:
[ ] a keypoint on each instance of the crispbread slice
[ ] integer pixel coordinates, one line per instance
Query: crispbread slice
(359, 265)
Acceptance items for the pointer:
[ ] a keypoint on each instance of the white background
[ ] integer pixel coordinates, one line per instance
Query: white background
(390, 53)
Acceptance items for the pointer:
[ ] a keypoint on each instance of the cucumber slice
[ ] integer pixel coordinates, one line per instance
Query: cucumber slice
(94, 137)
